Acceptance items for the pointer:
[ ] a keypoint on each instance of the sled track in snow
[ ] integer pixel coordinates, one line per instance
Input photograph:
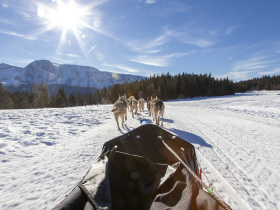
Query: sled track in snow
(236, 176)
(45, 152)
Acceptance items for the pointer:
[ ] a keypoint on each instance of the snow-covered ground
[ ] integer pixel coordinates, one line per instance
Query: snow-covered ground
(45, 152)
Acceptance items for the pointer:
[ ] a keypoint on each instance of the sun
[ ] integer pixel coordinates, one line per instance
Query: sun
(67, 15)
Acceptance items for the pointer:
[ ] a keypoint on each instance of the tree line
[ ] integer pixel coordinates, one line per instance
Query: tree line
(164, 86)
(263, 83)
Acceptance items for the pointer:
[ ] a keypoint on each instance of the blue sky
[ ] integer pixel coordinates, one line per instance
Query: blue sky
(238, 39)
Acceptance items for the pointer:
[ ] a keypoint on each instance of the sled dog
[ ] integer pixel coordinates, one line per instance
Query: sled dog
(124, 100)
(119, 111)
(129, 102)
(141, 102)
(157, 110)
(149, 106)
(134, 106)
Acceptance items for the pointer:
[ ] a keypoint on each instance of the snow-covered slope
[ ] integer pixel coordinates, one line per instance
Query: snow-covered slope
(46, 72)
(44, 153)
(8, 71)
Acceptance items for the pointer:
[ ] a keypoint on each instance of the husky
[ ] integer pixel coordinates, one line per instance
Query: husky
(141, 104)
(124, 100)
(149, 106)
(129, 103)
(119, 110)
(133, 107)
(157, 107)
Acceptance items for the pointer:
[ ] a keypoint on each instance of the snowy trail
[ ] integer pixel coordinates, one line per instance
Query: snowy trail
(224, 156)
(45, 152)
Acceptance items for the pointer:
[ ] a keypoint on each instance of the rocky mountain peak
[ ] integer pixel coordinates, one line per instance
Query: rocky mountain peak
(45, 65)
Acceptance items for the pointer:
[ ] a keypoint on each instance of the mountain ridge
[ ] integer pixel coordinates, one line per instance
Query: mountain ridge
(53, 74)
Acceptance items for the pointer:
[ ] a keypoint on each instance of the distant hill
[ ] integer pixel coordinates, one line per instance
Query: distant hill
(73, 78)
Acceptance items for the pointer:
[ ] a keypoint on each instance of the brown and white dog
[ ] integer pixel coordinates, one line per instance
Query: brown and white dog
(158, 108)
(129, 103)
(149, 105)
(120, 110)
(141, 102)
(124, 100)
(134, 106)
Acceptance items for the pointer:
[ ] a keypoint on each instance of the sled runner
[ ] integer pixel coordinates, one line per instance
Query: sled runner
(146, 168)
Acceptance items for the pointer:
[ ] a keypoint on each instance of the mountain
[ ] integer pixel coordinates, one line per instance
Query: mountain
(73, 78)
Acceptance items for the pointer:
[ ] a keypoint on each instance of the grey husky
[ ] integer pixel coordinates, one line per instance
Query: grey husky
(120, 110)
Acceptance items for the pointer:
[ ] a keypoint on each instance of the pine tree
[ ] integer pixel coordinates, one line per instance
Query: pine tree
(41, 96)
(5, 99)
(72, 100)
(63, 94)
(59, 100)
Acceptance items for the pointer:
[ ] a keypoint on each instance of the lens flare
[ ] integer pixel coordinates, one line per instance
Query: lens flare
(115, 76)
(51, 76)
(41, 11)
(5, 3)
(96, 23)
(16, 83)
(100, 56)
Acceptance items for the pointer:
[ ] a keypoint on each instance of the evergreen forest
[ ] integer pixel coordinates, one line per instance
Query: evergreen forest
(164, 86)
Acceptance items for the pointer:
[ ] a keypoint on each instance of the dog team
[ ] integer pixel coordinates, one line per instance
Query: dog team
(154, 105)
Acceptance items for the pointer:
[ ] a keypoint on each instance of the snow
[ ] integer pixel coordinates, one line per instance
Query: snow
(45, 152)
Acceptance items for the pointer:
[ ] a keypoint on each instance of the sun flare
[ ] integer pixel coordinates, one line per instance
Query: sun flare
(67, 16)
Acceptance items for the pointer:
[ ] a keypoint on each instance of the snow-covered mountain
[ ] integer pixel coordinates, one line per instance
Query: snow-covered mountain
(43, 71)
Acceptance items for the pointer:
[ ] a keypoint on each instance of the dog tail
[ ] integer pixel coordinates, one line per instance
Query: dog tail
(115, 110)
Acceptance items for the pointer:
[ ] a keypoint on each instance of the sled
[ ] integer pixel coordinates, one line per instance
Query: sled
(146, 168)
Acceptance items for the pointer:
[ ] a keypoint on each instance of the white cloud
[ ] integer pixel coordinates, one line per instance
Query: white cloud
(188, 39)
(70, 55)
(129, 69)
(252, 63)
(236, 75)
(5, 21)
(17, 34)
(275, 71)
(228, 32)
(200, 42)
(150, 1)
(148, 46)
(22, 61)
(242, 70)
(160, 61)
(153, 61)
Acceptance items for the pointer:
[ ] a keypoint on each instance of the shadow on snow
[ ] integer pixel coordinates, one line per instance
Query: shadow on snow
(191, 138)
